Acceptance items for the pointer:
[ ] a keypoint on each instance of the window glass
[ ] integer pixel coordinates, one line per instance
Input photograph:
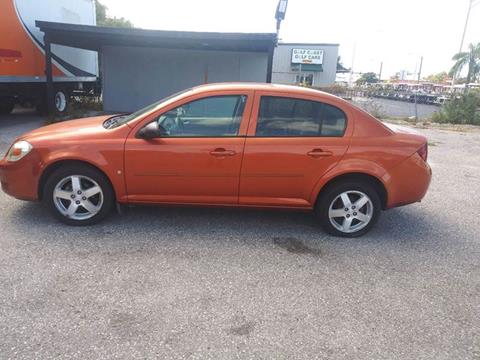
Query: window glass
(304, 79)
(118, 120)
(333, 123)
(212, 116)
(280, 116)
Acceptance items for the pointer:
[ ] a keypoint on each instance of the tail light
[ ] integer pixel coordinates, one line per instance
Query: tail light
(423, 152)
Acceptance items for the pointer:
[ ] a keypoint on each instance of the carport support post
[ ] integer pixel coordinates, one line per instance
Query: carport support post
(270, 63)
(48, 73)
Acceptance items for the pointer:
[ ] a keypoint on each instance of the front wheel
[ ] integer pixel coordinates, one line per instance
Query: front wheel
(348, 209)
(78, 195)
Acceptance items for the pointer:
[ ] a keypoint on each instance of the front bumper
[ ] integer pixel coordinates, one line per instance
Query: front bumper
(408, 182)
(20, 179)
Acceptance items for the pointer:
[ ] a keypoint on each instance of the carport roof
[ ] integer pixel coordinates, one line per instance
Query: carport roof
(95, 37)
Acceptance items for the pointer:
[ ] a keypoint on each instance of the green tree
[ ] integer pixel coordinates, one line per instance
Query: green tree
(438, 78)
(104, 20)
(462, 109)
(471, 59)
(367, 78)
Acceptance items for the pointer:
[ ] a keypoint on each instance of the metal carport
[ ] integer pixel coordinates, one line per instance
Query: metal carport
(104, 39)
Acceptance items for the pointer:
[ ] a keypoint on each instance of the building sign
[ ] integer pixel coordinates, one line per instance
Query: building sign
(307, 56)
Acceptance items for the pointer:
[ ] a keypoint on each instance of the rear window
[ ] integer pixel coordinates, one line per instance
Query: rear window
(282, 116)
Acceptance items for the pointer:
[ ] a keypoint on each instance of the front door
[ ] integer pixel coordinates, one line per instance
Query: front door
(198, 159)
(291, 144)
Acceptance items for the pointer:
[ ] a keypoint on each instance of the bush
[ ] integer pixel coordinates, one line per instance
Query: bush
(334, 89)
(85, 103)
(464, 109)
(80, 107)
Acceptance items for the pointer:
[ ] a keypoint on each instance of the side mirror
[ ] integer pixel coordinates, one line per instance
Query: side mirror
(151, 131)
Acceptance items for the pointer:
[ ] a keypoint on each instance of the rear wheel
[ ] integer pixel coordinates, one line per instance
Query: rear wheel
(348, 209)
(78, 195)
(61, 101)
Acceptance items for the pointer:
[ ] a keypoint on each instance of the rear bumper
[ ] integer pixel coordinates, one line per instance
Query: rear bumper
(19, 179)
(408, 182)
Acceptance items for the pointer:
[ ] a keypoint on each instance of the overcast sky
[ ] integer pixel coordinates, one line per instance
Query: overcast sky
(395, 32)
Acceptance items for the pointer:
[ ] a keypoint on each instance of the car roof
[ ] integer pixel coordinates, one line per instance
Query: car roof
(281, 88)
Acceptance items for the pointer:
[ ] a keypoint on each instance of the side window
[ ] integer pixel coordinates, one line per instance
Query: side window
(214, 116)
(281, 116)
(333, 121)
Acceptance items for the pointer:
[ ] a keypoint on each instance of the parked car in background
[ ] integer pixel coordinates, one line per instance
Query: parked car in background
(248, 145)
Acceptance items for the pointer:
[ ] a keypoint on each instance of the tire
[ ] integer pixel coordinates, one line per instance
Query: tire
(61, 103)
(355, 221)
(78, 195)
(61, 99)
(6, 105)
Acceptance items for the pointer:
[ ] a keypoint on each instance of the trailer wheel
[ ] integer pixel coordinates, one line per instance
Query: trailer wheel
(61, 100)
(6, 105)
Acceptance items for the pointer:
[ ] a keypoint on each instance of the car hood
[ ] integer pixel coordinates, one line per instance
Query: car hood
(89, 127)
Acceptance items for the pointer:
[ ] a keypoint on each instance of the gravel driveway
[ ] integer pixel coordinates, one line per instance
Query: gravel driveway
(220, 283)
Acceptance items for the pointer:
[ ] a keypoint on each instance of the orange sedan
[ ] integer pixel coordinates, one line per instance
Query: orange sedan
(248, 145)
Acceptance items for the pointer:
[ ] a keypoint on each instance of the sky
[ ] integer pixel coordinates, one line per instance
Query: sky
(397, 33)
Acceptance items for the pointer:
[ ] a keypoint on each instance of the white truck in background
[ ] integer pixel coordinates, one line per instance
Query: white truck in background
(22, 54)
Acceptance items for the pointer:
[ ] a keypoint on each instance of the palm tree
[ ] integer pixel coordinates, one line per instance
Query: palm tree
(471, 58)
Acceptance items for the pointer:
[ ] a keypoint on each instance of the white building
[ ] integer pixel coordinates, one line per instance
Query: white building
(310, 64)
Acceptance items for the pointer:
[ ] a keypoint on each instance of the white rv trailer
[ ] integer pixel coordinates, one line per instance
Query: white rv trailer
(22, 53)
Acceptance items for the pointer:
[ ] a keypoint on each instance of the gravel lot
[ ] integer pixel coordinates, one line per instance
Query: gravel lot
(216, 283)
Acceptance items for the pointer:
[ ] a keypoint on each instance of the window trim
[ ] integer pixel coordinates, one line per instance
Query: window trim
(321, 103)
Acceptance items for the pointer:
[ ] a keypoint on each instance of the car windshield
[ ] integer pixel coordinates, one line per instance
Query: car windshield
(118, 120)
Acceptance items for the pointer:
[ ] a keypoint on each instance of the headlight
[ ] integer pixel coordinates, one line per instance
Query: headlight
(18, 151)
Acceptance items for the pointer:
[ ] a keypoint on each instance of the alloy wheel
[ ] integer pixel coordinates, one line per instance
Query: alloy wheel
(350, 211)
(78, 197)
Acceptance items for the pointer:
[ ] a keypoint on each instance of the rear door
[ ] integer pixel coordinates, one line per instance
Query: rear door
(292, 142)
(199, 159)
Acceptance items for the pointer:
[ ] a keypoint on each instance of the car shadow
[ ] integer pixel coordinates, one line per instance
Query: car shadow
(297, 232)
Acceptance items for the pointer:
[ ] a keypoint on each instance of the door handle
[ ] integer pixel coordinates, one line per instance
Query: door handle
(319, 153)
(222, 152)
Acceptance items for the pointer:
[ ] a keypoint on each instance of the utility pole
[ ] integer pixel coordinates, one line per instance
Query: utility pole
(380, 72)
(471, 4)
(416, 92)
(280, 14)
(353, 62)
(420, 70)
